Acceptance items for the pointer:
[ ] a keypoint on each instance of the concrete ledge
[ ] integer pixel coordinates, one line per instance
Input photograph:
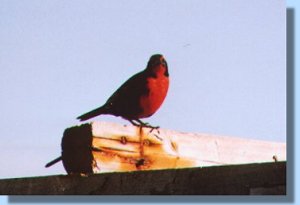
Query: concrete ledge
(256, 179)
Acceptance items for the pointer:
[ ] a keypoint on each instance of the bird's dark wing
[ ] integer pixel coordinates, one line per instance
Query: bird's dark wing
(125, 101)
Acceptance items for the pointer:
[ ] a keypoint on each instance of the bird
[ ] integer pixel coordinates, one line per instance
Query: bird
(140, 96)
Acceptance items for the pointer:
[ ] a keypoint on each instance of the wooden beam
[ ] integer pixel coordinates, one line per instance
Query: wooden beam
(109, 147)
(253, 179)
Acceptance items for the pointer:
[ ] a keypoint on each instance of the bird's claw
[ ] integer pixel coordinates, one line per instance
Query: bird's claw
(158, 136)
(155, 128)
(151, 127)
(142, 124)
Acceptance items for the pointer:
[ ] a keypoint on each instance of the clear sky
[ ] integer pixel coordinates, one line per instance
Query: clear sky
(59, 59)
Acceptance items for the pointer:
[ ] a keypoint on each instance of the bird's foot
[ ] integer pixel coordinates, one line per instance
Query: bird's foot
(145, 124)
(151, 127)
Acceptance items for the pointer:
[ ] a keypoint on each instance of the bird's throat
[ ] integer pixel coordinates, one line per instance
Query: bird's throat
(158, 88)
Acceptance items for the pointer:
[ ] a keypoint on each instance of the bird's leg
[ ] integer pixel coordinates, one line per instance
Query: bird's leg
(134, 123)
(145, 124)
(140, 123)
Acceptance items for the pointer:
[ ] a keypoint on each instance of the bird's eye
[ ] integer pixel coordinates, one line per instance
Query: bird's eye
(164, 62)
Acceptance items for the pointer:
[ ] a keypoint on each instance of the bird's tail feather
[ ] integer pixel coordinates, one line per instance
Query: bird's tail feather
(93, 113)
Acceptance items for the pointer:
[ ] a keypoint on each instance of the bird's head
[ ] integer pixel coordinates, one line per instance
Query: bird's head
(157, 63)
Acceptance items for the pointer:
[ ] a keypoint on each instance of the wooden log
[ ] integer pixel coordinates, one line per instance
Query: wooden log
(108, 147)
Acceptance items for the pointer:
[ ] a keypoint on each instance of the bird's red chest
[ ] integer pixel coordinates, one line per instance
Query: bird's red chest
(158, 88)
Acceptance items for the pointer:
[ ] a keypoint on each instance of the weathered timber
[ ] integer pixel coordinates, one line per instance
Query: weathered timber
(108, 147)
(253, 179)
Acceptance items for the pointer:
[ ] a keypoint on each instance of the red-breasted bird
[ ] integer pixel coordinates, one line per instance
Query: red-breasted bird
(140, 96)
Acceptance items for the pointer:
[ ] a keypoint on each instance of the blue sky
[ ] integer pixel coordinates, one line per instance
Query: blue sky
(60, 59)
